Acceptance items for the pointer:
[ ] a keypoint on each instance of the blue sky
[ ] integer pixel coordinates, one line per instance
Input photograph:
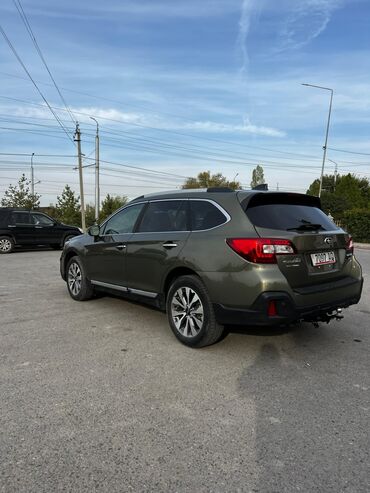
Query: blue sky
(181, 87)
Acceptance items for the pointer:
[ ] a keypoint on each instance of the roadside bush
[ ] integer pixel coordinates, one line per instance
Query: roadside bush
(357, 223)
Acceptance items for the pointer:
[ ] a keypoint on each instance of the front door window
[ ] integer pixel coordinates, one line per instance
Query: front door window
(124, 221)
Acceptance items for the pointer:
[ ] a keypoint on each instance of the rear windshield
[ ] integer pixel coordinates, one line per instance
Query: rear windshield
(288, 213)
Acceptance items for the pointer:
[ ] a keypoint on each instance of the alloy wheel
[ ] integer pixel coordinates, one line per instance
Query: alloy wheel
(5, 245)
(187, 312)
(74, 278)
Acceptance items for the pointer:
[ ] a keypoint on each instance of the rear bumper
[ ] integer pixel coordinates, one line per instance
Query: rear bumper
(287, 310)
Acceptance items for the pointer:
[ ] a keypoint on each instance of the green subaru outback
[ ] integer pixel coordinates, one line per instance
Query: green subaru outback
(217, 256)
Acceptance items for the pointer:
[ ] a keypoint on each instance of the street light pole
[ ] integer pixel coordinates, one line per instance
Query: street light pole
(97, 183)
(335, 171)
(327, 130)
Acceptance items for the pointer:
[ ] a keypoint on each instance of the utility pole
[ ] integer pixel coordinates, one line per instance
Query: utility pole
(77, 138)
(97, 183)
(327, 130)
(32, 178)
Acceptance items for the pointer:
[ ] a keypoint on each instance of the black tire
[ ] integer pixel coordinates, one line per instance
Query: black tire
(79, 287)
(190, 313)
(6, 244)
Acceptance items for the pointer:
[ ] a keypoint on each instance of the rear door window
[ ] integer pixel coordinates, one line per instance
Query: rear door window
(205, 215)
(21, 218)
(166, 215)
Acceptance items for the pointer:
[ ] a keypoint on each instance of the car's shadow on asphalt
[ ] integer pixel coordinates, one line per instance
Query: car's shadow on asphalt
(303, 333)
(295, 328)
(39, 248)
(260, 331)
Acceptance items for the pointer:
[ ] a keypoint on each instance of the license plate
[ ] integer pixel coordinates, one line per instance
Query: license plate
(323, 258)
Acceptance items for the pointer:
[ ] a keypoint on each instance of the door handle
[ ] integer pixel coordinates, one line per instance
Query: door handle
(169, 244)
(38, 227)
(121, 247)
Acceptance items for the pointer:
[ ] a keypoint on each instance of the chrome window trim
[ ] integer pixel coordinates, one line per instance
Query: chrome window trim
(162, 232)
(218, 206)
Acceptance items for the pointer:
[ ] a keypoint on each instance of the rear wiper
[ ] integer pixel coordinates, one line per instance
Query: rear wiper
(306, 227)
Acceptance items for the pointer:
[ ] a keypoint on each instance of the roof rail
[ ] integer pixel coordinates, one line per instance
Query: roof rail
(220, 189)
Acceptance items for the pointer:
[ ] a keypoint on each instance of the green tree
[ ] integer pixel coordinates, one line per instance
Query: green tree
(357, 223)
(258, 177)
(355, 190)
(20, 195)
(68, 207)
(50, 210)
(206, 180)
(111, 204)
(334, 204)
(328, 185)
(346, 193)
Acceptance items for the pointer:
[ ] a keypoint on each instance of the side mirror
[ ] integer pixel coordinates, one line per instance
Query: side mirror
(94, 230)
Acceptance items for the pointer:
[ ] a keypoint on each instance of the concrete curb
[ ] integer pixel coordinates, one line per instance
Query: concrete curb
(362, 246)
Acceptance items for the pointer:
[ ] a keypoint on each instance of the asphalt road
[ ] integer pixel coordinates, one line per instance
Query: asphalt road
(100, 396)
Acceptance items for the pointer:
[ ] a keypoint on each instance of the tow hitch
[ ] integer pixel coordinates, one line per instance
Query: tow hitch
(328, 317)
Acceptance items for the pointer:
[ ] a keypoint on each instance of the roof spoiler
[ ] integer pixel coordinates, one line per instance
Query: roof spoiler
(262, 186)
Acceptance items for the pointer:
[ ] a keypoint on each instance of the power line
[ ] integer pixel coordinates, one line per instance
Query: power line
(176, 116)
(146, 148)
(168, 114)
(158, 149)
(122, 122)
(36, 154)
(163, 144)
(111, 131)
(300, 155)
(33, 82)
(23, 16)
(349, 152)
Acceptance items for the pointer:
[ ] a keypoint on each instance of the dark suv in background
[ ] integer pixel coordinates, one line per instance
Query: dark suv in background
(28, 227)
(217, 256)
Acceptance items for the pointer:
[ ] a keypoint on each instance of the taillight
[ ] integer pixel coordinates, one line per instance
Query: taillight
(349, 246)
(271, 308)
(260, 250)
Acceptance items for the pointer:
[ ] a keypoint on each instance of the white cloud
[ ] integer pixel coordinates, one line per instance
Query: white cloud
(114, 116)
(246, 128)
(244, 26)
(82, 114)
(159, 9)
(307, 20)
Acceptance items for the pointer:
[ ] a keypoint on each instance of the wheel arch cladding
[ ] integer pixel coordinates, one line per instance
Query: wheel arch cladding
(174, 274)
